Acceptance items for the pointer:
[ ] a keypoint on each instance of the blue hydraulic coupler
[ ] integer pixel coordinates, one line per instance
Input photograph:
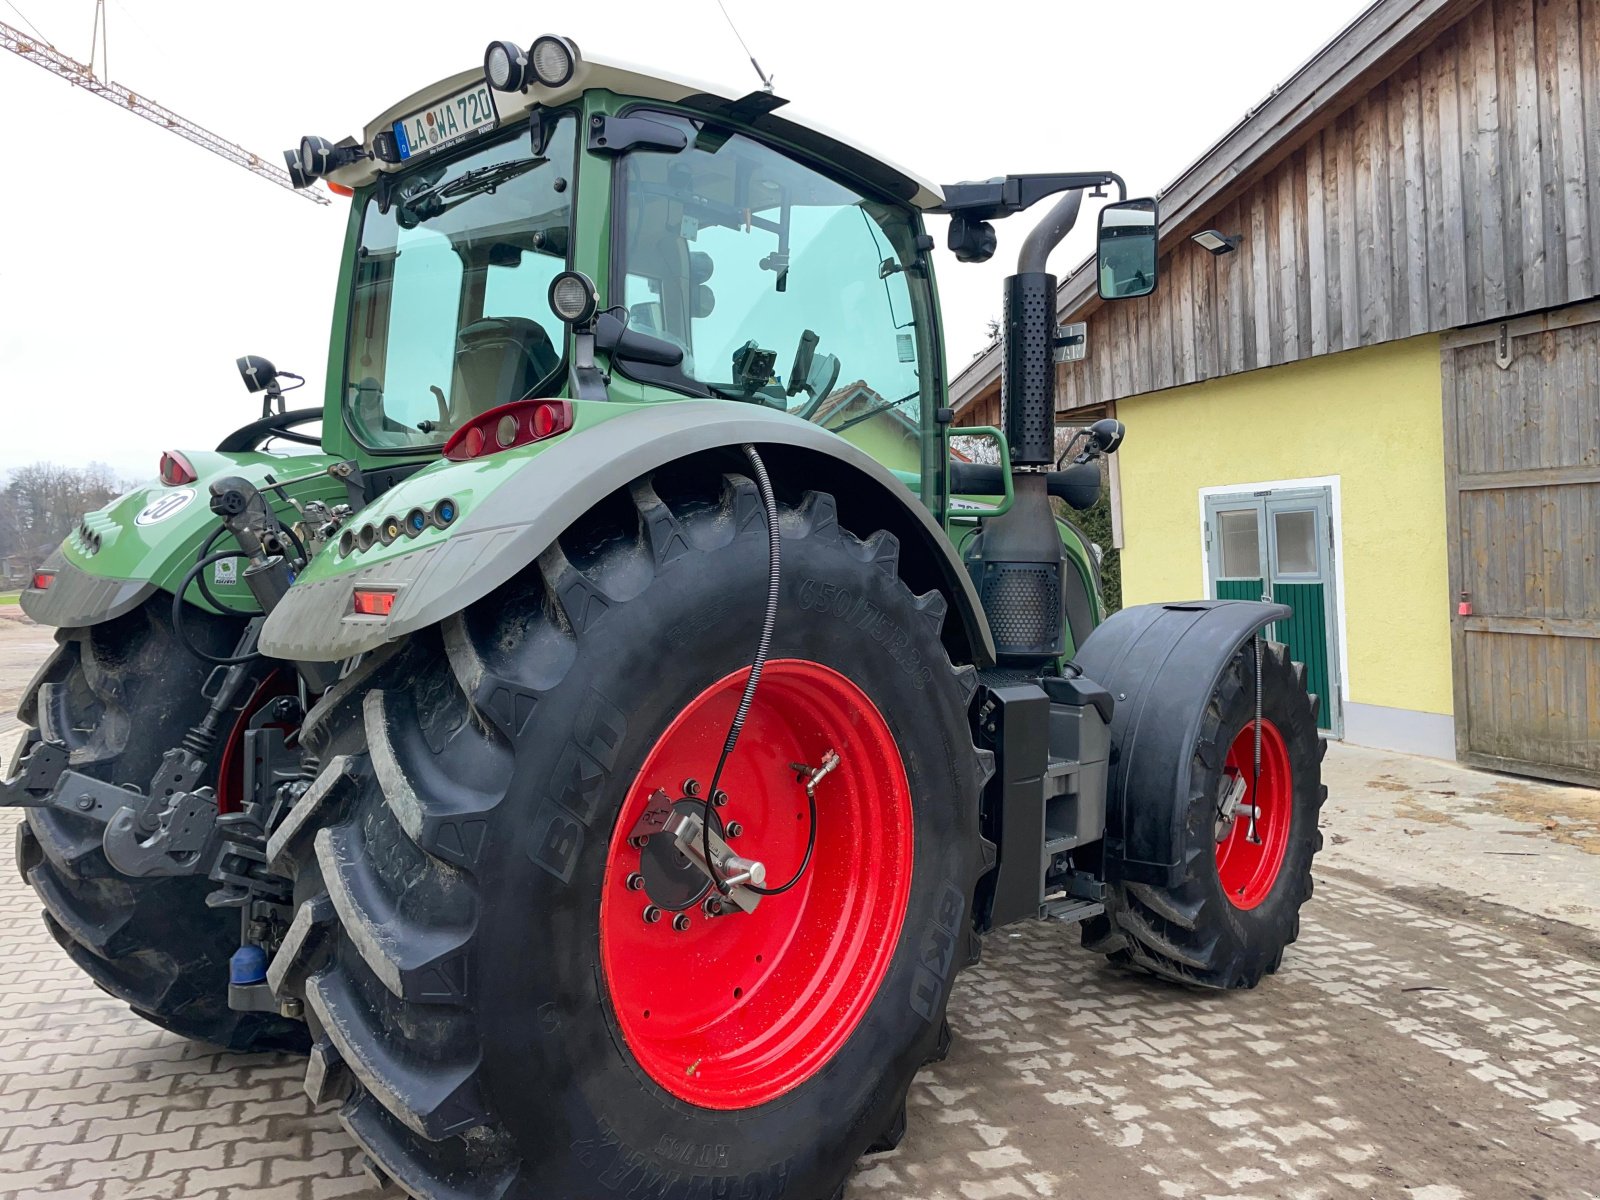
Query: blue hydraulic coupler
(248, 965)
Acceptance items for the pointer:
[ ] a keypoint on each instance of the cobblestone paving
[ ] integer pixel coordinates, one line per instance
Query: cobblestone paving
(1400, 1054)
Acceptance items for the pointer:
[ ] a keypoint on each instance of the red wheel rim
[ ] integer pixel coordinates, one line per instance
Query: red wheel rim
(736, 1010)
(1249, 869)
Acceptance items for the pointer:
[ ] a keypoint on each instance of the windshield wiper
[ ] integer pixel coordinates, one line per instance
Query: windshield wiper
(871, 412)
(441, 198)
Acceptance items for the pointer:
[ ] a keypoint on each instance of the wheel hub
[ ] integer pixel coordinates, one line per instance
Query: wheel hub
(672, 880)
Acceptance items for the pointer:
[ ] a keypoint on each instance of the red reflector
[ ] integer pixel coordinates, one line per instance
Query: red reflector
(175, 469)
(338, 189)
(43, 579)
(516, 424)
(370, 602)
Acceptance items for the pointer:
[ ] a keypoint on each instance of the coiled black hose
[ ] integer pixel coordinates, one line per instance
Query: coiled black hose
(193, 573)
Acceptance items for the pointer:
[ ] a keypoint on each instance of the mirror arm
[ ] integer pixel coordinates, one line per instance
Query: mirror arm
(991, 199)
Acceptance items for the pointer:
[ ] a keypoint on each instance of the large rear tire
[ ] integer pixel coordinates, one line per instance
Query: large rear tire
(490, 998)
(1226, 922)
(120, 694)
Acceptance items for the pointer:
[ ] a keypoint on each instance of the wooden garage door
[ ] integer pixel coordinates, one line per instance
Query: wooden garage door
(1522, 469)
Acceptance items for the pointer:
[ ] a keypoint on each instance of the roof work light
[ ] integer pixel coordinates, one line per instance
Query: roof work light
(550, 63)
(506, 66)
(316, 157)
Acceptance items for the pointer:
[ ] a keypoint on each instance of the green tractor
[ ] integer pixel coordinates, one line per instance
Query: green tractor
(600, 746)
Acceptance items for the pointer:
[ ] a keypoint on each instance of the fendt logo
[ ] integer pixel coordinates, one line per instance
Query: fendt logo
(166, 506)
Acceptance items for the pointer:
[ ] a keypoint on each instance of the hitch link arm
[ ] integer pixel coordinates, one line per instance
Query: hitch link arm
(173, 830)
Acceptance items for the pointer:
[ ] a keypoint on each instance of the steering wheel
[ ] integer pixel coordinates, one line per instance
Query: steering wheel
(278, 425)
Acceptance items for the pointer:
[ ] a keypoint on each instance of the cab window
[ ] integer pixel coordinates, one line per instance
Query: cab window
(450, 313)
(781, 286)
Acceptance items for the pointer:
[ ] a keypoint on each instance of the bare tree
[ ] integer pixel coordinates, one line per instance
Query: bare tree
(40, 504)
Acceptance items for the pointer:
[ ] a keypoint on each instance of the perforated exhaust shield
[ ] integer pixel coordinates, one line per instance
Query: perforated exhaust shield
(1028, 387)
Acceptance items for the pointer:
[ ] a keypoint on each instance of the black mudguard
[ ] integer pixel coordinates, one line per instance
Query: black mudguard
(1161, 663)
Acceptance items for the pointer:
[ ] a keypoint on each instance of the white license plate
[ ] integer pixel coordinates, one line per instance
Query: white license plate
(447, 122)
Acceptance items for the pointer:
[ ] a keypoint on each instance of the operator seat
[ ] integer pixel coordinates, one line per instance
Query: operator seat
(498, 360)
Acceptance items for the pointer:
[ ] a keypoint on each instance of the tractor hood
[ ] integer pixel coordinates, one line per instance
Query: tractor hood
(144, 541)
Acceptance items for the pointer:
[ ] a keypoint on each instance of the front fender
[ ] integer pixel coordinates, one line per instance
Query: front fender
(1161, 662)
(514, 505)
(144, 541)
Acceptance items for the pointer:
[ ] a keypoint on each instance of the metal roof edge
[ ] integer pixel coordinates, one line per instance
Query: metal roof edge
(1382, 30)
(1379, 32)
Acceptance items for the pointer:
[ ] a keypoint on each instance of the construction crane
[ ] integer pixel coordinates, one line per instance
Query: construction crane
(41, 53)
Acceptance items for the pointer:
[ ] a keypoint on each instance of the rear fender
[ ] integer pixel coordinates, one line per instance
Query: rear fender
(1162, 663)
(535, 496)
(146, 539)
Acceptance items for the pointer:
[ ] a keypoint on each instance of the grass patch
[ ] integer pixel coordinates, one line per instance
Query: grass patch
(10, 597)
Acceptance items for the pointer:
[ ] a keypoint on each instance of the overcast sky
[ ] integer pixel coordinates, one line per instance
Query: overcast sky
(136, 267)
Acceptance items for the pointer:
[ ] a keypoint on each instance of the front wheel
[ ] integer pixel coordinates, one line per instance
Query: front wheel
(518, 998)
(1249, 837)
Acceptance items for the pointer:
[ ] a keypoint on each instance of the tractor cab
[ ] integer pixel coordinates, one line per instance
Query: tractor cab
(728, 253)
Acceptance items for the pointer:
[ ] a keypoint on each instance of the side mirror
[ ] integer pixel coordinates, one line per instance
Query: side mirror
(1126, 249)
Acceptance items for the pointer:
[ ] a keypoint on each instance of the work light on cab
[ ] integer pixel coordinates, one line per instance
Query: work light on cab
(550, 63)
(505, 65)
(318, 156)
(554, 60)
(519, 423)
(572, 297)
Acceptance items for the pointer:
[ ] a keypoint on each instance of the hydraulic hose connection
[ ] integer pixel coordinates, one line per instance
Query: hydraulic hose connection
(769, 625)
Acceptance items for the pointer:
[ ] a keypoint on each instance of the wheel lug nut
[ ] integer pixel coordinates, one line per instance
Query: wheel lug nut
(652, 914)
(691, 787)
(719, 798)
(635, 882)
(681, 922)
(735, 829)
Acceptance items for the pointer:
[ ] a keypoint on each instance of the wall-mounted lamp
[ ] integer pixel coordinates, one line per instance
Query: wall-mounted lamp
(1216, 243)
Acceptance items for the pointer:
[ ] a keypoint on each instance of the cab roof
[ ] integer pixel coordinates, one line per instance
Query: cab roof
(753, 111)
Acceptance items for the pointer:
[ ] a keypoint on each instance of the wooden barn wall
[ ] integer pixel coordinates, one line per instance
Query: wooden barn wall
(1459, 189)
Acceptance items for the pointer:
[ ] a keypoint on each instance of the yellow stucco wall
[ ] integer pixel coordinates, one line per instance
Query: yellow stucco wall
(1372, 417)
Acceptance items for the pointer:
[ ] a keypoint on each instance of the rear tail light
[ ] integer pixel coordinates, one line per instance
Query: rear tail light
(372, 602)
(43, 579)
(175, 469)
(516, 424)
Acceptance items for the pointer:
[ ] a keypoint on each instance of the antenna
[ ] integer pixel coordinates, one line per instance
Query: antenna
(766, 80)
